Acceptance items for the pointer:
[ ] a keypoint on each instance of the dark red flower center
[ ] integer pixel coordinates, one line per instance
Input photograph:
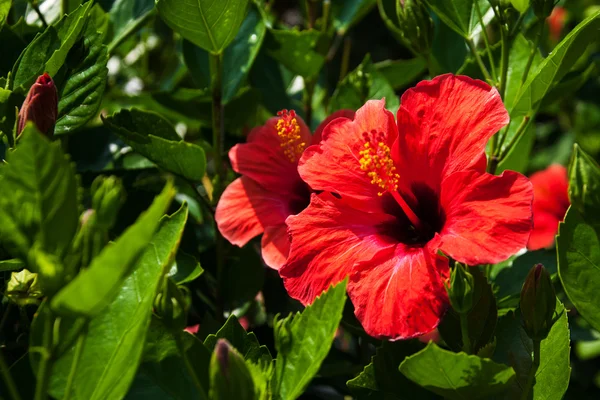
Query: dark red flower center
(424, 218)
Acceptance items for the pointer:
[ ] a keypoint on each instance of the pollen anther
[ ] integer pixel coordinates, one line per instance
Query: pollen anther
(376, 161)
(288, 131)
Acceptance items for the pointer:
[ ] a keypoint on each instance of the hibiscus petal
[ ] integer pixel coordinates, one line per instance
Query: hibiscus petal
(275, 245)
(445, 125)
(400, 294)
(328, 238)
(349, 114)
(246, 208)
(545, 227)
(334, 165)
(550, 190)
(487, 217)
(263, 160)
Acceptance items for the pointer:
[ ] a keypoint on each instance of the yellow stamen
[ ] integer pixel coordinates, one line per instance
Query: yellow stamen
(376, 161)
(288, 131)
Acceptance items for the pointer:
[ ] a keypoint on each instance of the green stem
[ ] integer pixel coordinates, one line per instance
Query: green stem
(36, 8)
(534, 48)
(188, 365)
(133, 28)
(517, 24)
(482, 67)
(464, 330)
(534, 367)
(74, 364)
(325, 17)
(8, 380)
(486, 40)
(43, 375)
(503, 60)
(515, 139)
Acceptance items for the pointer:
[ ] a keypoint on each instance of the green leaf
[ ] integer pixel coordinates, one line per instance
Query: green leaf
(401, 73)
(578, 247)
(153, 137)
(584, 185)
(481, 319)
(197, 61)
(240, 56)
(448, 49)
(550, 72)
(126, 15)
(362, 84)
(302, 52)
(185, 269)
(456, 375)
(230, 378)
(4, 10)
(163, 374)
(114, 342)
(210, 24)
(11, 265)
(48, 51)
(346, 13)
(94, 289)
(42, 209)
(303, 341)
(461, 15)
(520, 5)
(246, 343)
(82, 92)
(382, 377)
(515, 349)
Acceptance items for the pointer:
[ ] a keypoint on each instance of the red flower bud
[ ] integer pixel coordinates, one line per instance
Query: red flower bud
(40, 106)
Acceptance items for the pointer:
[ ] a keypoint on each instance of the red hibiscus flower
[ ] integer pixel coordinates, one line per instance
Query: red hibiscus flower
(270, 188)
(397, 193)
(550, 203)
(556, 22)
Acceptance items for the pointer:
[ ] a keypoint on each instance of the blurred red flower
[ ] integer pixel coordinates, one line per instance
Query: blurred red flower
(270, 188)
(392, 201)
(40, 105)
(550, 203)
(556, 22)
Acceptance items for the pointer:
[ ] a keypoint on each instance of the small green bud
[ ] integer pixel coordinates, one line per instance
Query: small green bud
(538, 302)
(23, 288)
(283, 333)
(462, 287)
(415, 25)
(107, 197)
(543, 8)
(171, 305)
(229, 375)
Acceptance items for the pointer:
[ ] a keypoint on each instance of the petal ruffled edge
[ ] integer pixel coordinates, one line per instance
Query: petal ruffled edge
(399, 293)
(318, 135)
(246, 208)
(488, 217)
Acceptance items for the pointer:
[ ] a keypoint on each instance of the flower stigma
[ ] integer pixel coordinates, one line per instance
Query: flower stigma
(288, 131)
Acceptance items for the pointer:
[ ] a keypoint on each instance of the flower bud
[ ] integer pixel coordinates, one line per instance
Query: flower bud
(107, 197)
(283, 334)
(543, 8)
(40, 106)
(460, 292)
(23, 288)
(415, 25)
(171, 305)
(538, 302)
(229, 375)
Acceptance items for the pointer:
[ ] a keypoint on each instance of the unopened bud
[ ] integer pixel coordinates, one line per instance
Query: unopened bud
(543, 8)
(462, 287)
(23, 288)
(229, 375)
(283, 334)
(415, 25)
(171, 305)
(107, 197)
(40, 106)
(538, 302)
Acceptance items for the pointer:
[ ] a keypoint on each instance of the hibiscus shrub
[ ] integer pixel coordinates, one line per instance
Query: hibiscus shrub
(259, 199)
